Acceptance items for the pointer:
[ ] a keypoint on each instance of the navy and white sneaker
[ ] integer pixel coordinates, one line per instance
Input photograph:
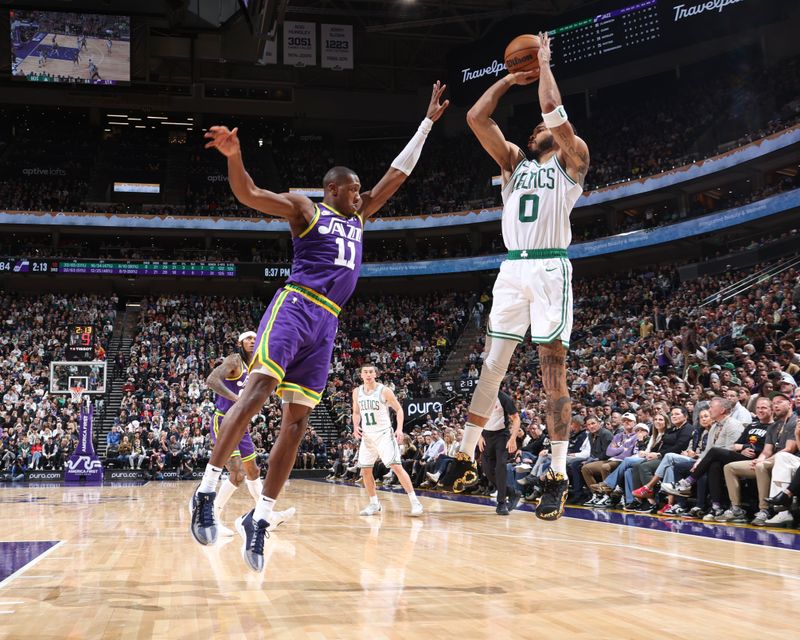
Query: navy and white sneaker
(203, 524)
(253, 533)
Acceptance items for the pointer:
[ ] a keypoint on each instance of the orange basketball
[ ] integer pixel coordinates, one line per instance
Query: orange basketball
(522, 54)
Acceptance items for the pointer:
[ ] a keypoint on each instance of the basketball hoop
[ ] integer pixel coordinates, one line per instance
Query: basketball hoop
(76, 393)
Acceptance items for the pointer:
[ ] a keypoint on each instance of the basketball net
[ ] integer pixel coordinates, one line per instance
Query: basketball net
(76, 393)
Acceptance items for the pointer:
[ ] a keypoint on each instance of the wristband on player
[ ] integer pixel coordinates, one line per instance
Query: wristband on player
(407, 159)
(555, 118)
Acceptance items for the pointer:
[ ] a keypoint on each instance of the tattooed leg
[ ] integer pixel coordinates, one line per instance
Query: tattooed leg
(553, 361)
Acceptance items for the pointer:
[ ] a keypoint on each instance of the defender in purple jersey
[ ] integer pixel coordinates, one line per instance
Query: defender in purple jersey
(227, 381)
(295, 338)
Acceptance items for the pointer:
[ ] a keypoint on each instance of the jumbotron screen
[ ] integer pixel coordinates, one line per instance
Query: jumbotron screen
(78, 48)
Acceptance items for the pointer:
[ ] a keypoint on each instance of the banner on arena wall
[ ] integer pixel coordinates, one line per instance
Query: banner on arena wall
(46, 172)
(45, 476)
(269, 54)
(416, 408)
(124, 474)
(300, 43)
(337, 46)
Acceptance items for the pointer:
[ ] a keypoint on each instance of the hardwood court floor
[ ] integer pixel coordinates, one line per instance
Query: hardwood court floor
(125, 566)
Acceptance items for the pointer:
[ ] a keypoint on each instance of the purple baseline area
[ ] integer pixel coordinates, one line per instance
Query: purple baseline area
(765, 537)
(15, 555)
(23, 50)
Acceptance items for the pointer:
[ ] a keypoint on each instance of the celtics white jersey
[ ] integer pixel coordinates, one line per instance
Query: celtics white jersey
(374, 411)
(537, 202)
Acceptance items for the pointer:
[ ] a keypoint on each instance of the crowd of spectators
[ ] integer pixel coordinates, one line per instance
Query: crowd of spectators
(167, 411)
(634, 130)
(645, 347)
(38, 430)
(647, 361)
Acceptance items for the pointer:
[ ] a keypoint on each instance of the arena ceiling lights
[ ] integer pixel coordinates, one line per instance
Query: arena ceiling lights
(141, 121)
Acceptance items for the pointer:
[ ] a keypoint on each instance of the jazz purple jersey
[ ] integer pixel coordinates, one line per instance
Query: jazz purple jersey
(327, 255)
(296, 335)
(234, 385)
(246, 450)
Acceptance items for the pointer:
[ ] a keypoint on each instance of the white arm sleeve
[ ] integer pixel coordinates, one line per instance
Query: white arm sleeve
(407, 159)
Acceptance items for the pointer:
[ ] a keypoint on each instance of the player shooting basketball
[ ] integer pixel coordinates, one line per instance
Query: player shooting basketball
(534, 286)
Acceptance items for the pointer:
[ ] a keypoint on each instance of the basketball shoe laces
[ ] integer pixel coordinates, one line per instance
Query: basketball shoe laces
(206, 512)
(261, 534)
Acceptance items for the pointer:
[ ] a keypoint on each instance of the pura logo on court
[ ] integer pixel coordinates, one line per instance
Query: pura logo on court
(682, 11)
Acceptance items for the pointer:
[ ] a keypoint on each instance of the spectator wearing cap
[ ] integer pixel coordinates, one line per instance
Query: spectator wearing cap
(781, 437)
(622, 446)
(614, 481)
(786, 462)
(747, 447)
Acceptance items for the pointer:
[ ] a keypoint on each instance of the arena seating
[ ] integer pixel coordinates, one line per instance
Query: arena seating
(623, 141)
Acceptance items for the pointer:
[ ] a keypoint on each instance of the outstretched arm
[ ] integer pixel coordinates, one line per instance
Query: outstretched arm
(298, 209)
(573, 152)
(403, 164)
(479, 119)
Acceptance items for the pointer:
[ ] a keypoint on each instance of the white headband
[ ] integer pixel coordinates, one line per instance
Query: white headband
(246, 334)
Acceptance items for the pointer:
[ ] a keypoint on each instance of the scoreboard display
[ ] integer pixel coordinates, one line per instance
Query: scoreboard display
(606, 33)
(151, 268)
(80, 342)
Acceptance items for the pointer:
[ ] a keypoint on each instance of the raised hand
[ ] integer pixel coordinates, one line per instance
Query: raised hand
(223, 140)
(435, 108)
(544, 49)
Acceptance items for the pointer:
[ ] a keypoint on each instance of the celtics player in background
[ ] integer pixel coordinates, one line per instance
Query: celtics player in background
(372, 424)
(534, 286)
(295, 338)
(227, 381)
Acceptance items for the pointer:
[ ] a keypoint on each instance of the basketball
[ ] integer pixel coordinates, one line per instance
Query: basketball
(522, 54)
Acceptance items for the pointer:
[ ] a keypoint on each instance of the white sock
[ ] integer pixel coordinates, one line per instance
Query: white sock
(224, 494)
(413, 497)
(559, 449)
(263, 510)
(373, 499)
(472, 433)
(210, 479)
(254, 487)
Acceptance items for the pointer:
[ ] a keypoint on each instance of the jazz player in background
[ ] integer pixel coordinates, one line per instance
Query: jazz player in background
(534, 286)
(296, 335)
(372, 424)
(227, 380)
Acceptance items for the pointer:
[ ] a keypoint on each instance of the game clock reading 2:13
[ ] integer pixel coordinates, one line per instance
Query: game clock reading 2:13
(81, 341)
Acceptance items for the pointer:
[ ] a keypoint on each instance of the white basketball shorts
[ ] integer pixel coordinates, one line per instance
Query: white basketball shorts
(380, 444)
(536, 294)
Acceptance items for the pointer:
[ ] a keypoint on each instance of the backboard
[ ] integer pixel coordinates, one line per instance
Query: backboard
(69, 373)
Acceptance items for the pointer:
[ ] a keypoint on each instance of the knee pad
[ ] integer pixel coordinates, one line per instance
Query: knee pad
(495, 366)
